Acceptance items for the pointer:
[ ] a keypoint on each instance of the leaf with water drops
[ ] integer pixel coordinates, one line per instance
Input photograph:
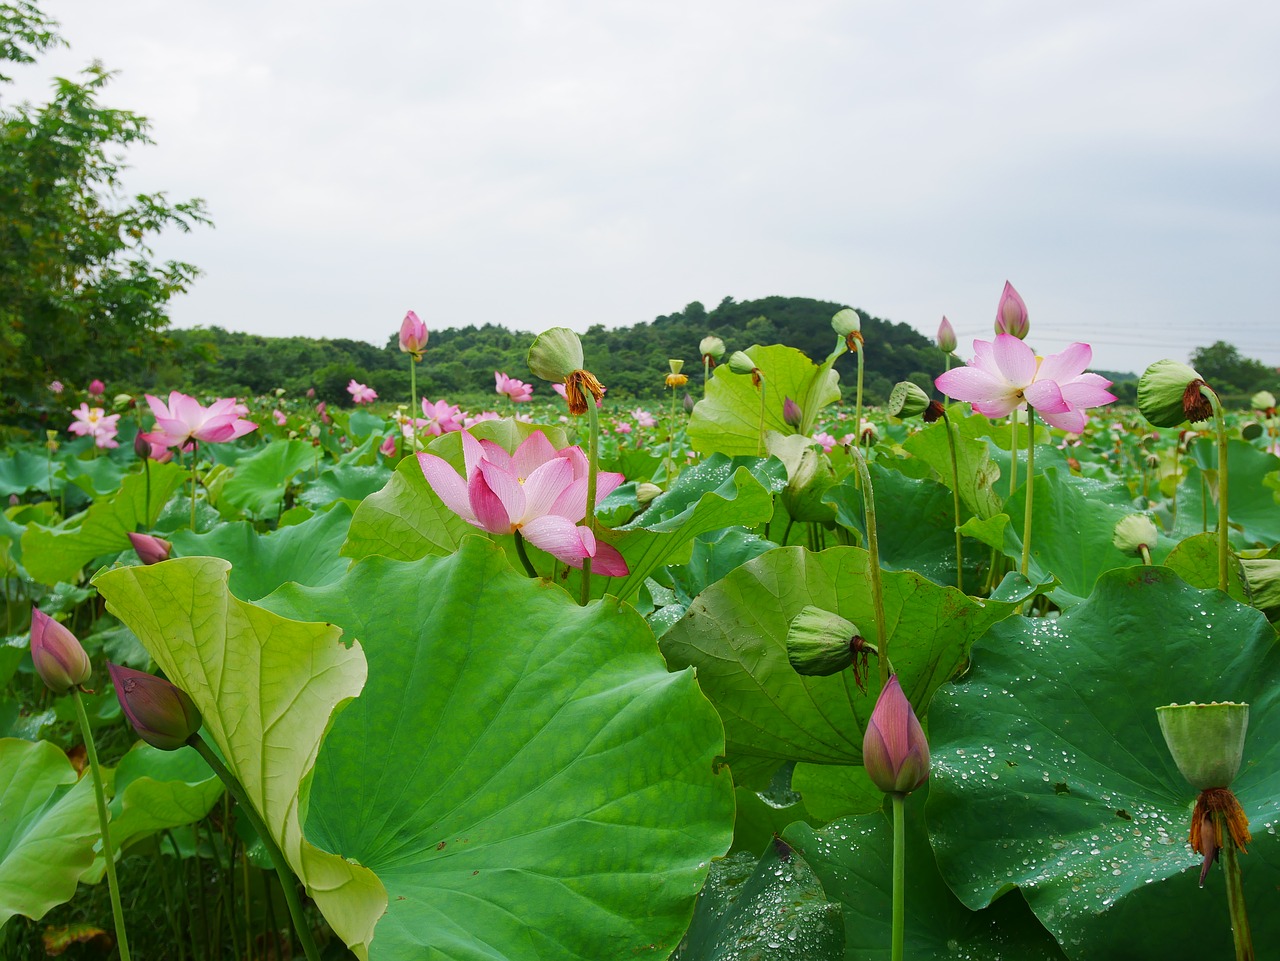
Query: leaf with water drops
(1050, 772)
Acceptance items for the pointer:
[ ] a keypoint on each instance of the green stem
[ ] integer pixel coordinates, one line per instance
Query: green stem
(899, 875)
(593, 466)
(1013, 452)
(287, 879)
(195, 456)
(1220, 428)
(146, 469)
(857, 407)
(946, 399)
(413, 403)
(1031, 486)
(108, 851)
(706, 372)
(1240, 933)
(955, 499)
(873, 551)
(1146, 554)
(524, 556)
(760, 442)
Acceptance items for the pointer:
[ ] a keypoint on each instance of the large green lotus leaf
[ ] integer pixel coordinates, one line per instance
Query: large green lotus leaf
(524, 774)
(25, 470)
(833, 791)
(52, 555)
(1050, 772)
(350, 482)
(853, 857)
(1195, 560)
(306, 553)
(48, 826)
(97, 477)
(976, 469)
(773, 908)
(1251, 504)
(735, 634)
(915, 524)
(259, 480)
(727, 419)
(267, 688)
(406, 520)
(156, 791)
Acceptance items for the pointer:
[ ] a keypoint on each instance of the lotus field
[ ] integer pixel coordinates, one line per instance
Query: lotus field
(990, 672)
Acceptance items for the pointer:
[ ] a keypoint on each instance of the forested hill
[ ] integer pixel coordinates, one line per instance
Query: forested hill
(631, 361)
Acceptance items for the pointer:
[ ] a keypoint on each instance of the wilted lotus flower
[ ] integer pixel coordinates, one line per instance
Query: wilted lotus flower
(163, 715)
(150, 550)
(413, 335)
(58, 657)
(1011, 314)
(894, 750)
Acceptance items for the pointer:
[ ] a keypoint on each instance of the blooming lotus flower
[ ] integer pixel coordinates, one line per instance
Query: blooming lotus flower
(946, 337)
(413, 335)
(538, 491)
(360, 393)
(97, 388)
(517, 390)
(1011, 314)
(185, 419)
(623, 427)
(470, 420)
(96, 423)
(58, 657)
(56, 386)
(279, 417)
(894, 750)
(388, 446)
(1005, 375)
(150, 550)
(643, 417)
(442, 417)
(163, 715)
(826, 440)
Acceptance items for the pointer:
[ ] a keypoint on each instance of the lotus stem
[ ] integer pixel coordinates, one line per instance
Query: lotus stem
(287, 879)
(1013, 451)
(593, 466)
(899, 874)
(195, 456)
(1026, 514)
(413, 404)
(108, 850)
(146, 470)
(760, 442)
(873, 551)
(857, 406)
(955, 498)
(1220, 428)
(706, 372)
(1240, 932)
(524, 555)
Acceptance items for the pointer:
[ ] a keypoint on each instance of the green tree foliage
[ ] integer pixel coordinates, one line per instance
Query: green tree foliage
(1227, 372)
(80, 294)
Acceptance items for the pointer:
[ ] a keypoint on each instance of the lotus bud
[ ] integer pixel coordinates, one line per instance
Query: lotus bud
(413, 335)
(689, 403)
(907, 400)
(1264, 401)
(1011, 314)
(555, 354)
(946, 337)
(791, 415)
(740, 363)
(820, 643)
(894, 750)
(150, 550)
(646, 492)
(807, 485)
(163, 715)
(711, 347)
(848, 324)
(1169, 394)
(58, 657)
(1134, 532)
(311, 393)
(97, 387)
(122, 402)
(14, 500)
(1206, 740)
(141, 446)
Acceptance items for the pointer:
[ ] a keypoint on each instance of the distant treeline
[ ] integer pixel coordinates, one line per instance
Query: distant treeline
(459, 364)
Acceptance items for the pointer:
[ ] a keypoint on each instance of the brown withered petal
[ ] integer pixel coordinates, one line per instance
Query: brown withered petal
(1194, 404)
(1214, 803)
(677, 380)
(933, 411)
(577, 385)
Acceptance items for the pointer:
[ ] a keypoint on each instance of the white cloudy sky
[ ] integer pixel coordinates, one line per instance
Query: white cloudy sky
(545, 162)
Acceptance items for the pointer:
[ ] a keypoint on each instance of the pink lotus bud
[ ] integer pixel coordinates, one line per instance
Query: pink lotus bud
(97, 387)
(1011, 314)
(163, 715)
(413, 335)
(150, 550)
(58, 657)
(142, 446)
(388, 447)
(946, 337)
(894, 750)
(791, 415)
(311, 393)
(279, 417)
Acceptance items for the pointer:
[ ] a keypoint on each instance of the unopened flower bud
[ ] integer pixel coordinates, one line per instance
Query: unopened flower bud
(150, 550)
(791, 415)
(907, 400)
(1011, 314)
(894, 750)
(163, 715)
(946, 337)
(820, 643)
(1164, 391)
(689, 403)
(646, 492)
(712, 347)
(1206, 740)
(141, 446)
(58, 657)
(122, 401)
(413, 335)
(1134, 532)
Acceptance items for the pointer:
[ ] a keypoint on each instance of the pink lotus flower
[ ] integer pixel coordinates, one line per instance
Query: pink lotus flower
(1011, 314)
(96, 423)
(361, 394)
(150, 549)
(442, 417)
(538, 491)
(97, 388)
(1006, 375)
(946, 337)
(388, 447)
(323, 410)
(279, 417)
(517, 390)
(643, 417)
(826, 440)
(56, 654)
(470, 420)
(413, 335)
(163, 715)
(623, 427)
(185, 420)
(894, 750)
(56, 386)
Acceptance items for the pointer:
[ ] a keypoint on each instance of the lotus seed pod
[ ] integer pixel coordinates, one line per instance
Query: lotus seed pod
(645, 492)
(846, 322)
(555, 354)
(711, 346)
(1251, 430)
(1263, 400)
(820, 643)
(1134, 532)
(740, 363)
(907, 400)
(1161, 392)
(1206, 740)
(676, 366)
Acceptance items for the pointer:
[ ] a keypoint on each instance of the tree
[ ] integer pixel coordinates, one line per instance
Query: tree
(79, 291)
(1227, 372)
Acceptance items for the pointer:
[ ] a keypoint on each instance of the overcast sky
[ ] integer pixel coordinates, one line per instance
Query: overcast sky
(544, 163)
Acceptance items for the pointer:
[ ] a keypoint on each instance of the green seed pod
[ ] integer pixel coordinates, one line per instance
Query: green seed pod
(846, 322)
(1161, 392)
(740, 363)
(1263, 400)
(555, 354)
(1206, 740)
(820, 643)
(1134, 532)
(711, 346)
(907, 400)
